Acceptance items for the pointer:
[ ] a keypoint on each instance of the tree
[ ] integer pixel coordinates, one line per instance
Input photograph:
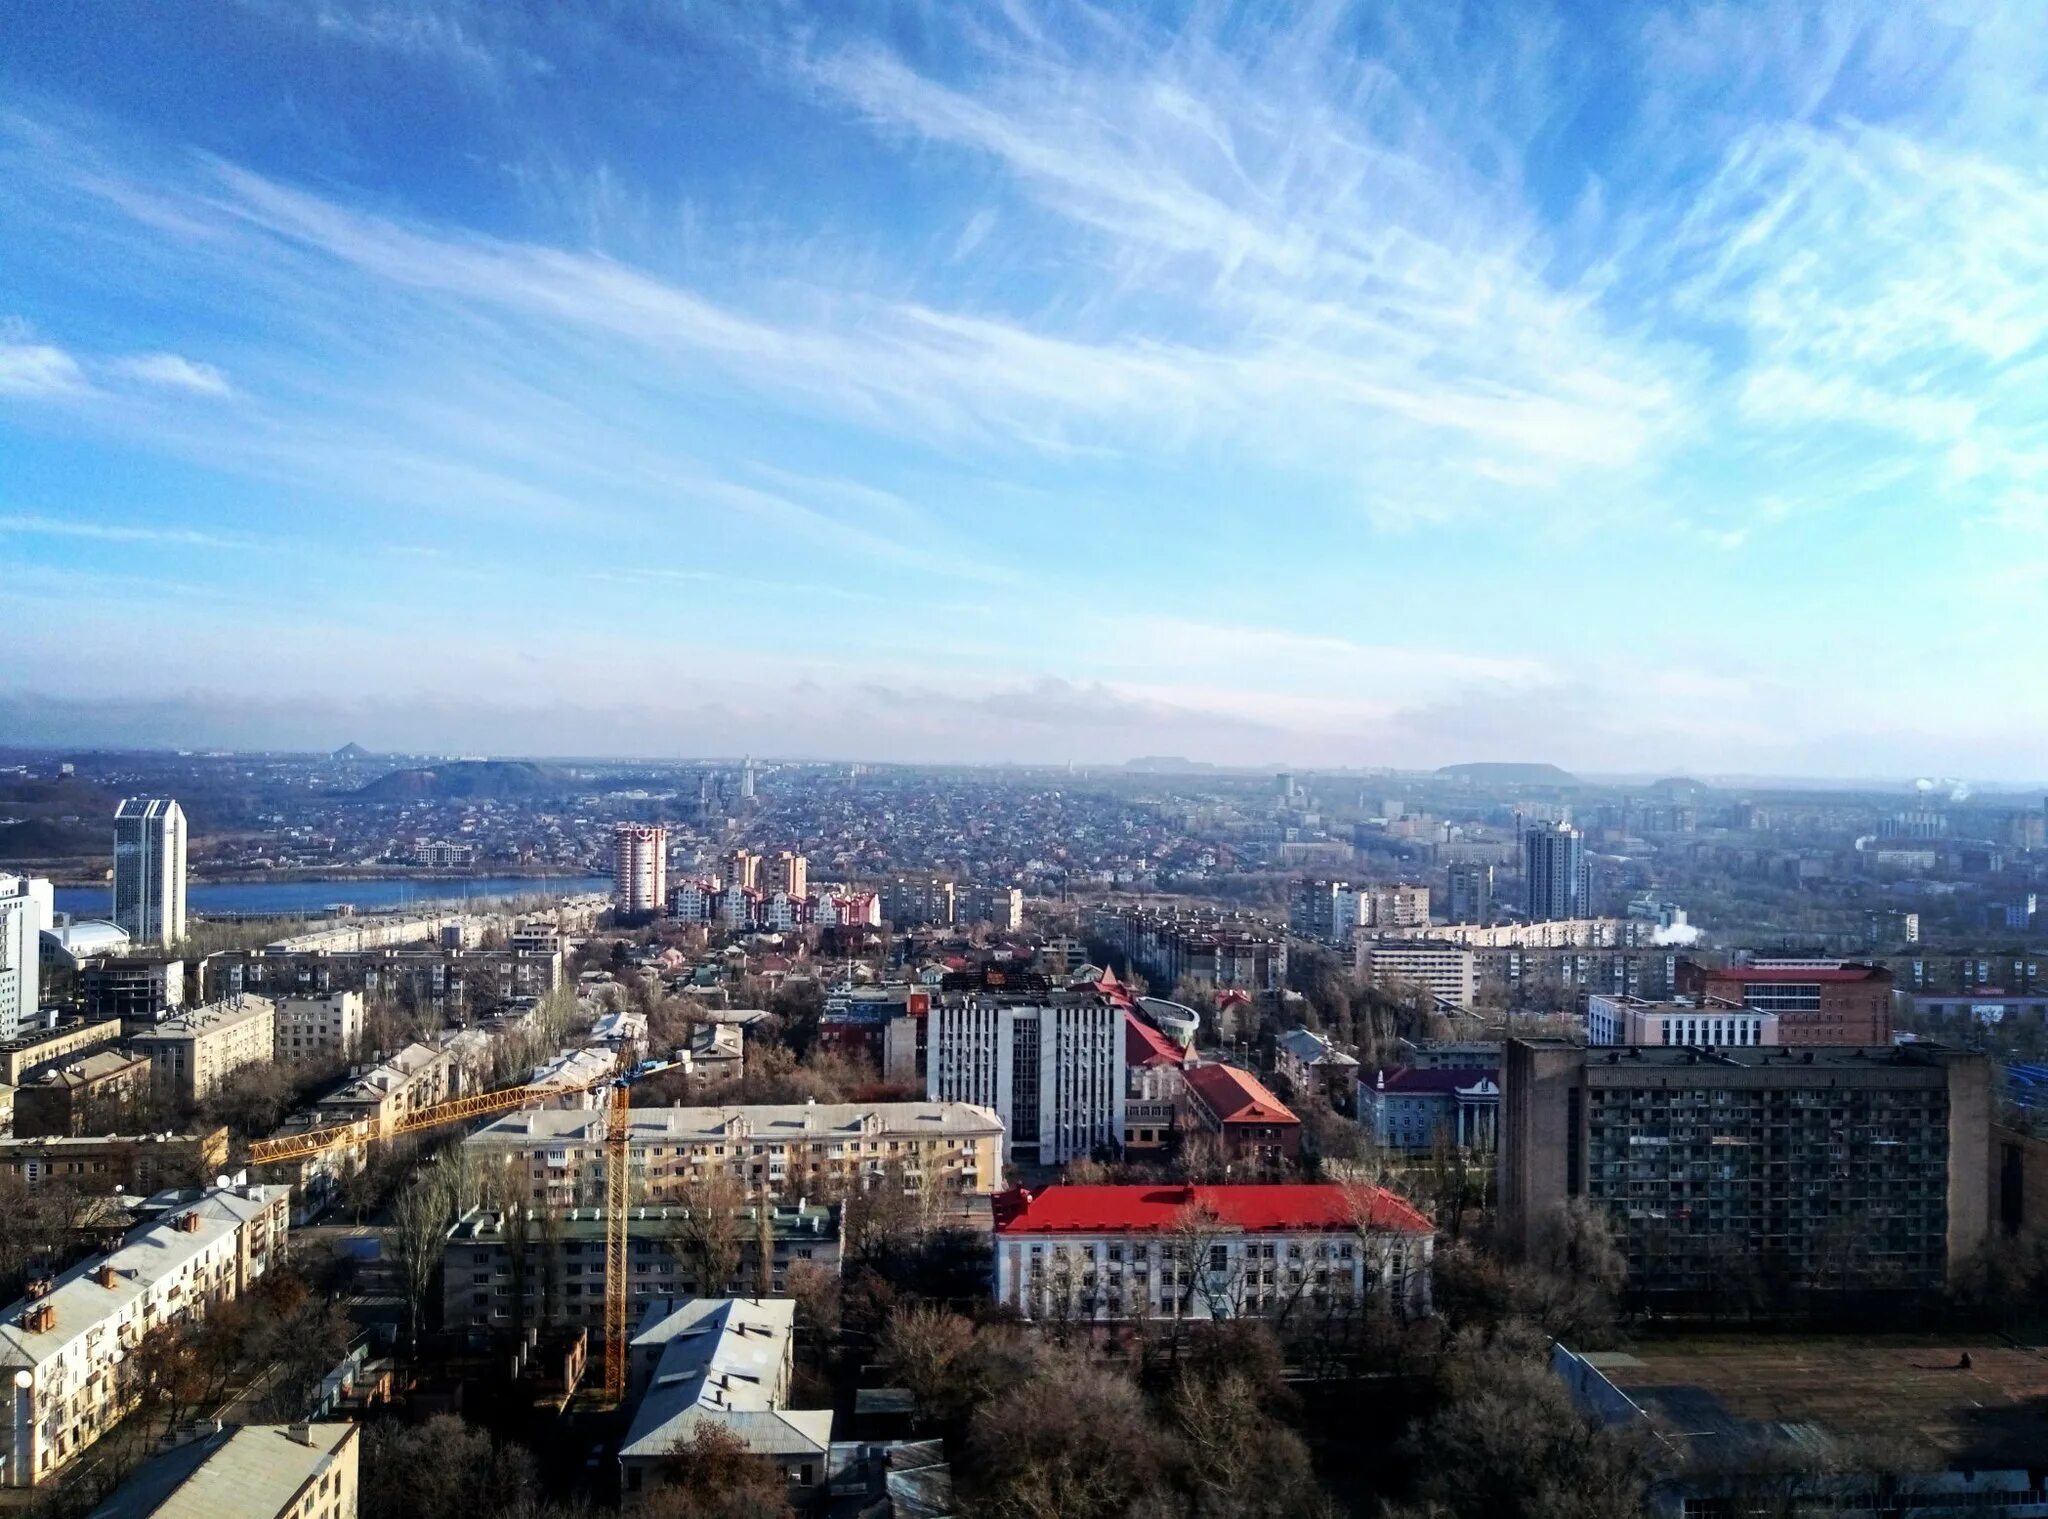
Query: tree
(420, 1220)
(442, 1469)
(1074, 1441)
(706, 1242)
(925, 1344)
(1237, 1458)
(1204, 1263)
(713, 1475)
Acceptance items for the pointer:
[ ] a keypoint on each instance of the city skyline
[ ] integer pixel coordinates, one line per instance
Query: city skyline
(1632, 388)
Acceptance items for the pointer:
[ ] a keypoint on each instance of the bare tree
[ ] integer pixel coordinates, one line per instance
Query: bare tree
(1073, 1441)
(1204, 1263)
(706, 1242)
(420, 1220)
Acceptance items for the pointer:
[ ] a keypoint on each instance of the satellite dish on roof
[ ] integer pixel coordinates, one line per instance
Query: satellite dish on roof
(24, 1378)
(221, 1181)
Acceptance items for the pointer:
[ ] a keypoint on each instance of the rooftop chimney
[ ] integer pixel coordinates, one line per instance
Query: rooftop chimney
(106, 1275)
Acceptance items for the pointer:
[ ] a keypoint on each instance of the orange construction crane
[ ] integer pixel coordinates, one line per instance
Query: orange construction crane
(618, 1192)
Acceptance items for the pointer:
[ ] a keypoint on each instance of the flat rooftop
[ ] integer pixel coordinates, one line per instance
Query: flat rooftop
(1911, 1393)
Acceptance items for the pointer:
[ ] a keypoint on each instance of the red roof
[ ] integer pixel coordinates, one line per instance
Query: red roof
(1145, 1045)
(1236, 1096)
(1156, 1210)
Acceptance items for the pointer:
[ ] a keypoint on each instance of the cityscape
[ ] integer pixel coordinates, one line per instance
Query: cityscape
(1029, 761)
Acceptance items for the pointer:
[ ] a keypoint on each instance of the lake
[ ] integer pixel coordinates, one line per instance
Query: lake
(312, 898)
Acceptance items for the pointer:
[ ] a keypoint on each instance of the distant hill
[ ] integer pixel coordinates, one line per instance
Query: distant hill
(1508, 773)
(1166, 764)
(464, 780)
(349, 753)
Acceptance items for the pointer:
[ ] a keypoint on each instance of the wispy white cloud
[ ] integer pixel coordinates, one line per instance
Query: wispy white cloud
(173, 372)
(40, 370)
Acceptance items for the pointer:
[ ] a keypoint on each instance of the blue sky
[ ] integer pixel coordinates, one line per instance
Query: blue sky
(1634, 387)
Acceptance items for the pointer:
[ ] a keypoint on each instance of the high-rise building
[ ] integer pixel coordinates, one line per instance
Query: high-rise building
(908, 900)
(1754, 1172)
(1554, 866)
(1471, 893)
(789, 873)
(741, 870)
(149, 870)
(1051, 1065)
(747, 781)
(21, 947)
(639, 867)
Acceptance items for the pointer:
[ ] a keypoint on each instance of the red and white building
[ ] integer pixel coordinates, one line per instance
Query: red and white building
(1117, 1253)
(1242, 1112)
(1154, 1091)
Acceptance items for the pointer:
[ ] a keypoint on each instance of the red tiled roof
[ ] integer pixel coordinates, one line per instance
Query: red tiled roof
(1156, 1210)
(1236, 1096)
(1145, 1045)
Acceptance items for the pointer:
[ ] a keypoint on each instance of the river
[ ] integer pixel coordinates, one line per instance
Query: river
(312, 898)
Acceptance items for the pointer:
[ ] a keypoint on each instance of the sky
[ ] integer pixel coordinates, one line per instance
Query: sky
(1632, 387)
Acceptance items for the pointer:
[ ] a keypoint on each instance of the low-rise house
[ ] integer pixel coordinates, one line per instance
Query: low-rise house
(1117, 1253)
(67, 1349)
(725, 1362)
(1314, 1065)
(1409, 1108)
(504, 1274)
(252, 1471)
(1242, 1113)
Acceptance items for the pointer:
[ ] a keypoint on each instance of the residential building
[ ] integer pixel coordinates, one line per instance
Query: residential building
(194, 1052)
(1400, 906)
(418, 1076)
(1756, 1171)
(29, 1053)
(1252, 1124)
(22, 910)
(89, 1092)
(149, 870)
(1314, 1066)
(1001, 907)
(1414, 1108)
(639, 867)
(252, 1471)
(1154, 1089)
(1681, 1020)
(791, 1150)
(789, 873)
(1990, 1007)
(1117, 1253)
(740, 870)
(550, 1273)
(716, 1052)
(67, 1349)
(1050, 1065)
(1414, 967)
(1555, 872)
(140, 990)
(1471, 893)
(320, 1028)
(137, 1163)
(910, 901)
(725, 1363)
(455, 985)
(1817, 1002)
(1323, 909)
(1218, 951)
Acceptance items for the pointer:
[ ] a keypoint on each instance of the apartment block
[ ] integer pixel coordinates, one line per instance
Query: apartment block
(136, 1163)
(1816, 1002)
(381, 1096)
(1117, 1253)
(30, 1053)
(320, 1028)
(1448, 972)
(639, 867)
(1706, 1021)
(252, 1471)
(67, 1349)
(191, 1054)
(80, 1094)
(1789, 1170)
(909, 901)
(550, 1274)
(1050, 1065)
(790, 1150)
(1221, 951)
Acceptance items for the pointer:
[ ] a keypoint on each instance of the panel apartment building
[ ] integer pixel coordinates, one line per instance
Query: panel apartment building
(790, 1150)
(1049, 1064)
(1779, 1170)
(1816, 1002)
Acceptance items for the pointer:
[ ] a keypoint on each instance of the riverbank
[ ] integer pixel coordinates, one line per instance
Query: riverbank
(312, 897)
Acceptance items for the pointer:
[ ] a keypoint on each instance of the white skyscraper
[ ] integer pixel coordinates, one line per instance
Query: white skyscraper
(149, 870)
(1051, 1065)
(21, 935)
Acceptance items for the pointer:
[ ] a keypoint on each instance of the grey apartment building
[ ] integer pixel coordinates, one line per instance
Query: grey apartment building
(1757, 1171)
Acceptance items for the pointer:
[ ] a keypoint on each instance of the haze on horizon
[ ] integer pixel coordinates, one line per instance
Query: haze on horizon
(1640, 388)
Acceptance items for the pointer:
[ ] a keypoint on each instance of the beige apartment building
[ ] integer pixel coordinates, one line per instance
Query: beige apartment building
(319, 1028)
(793, 1150)
(140, 1163)
(67, 1360)
(1449, 971)
(252, 1471)
(24, 1057)
(191, 1054)
(418, 1076)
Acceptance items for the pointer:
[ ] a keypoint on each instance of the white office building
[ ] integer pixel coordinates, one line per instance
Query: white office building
(24, 914)
(1051, 1065)
(149, 870)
